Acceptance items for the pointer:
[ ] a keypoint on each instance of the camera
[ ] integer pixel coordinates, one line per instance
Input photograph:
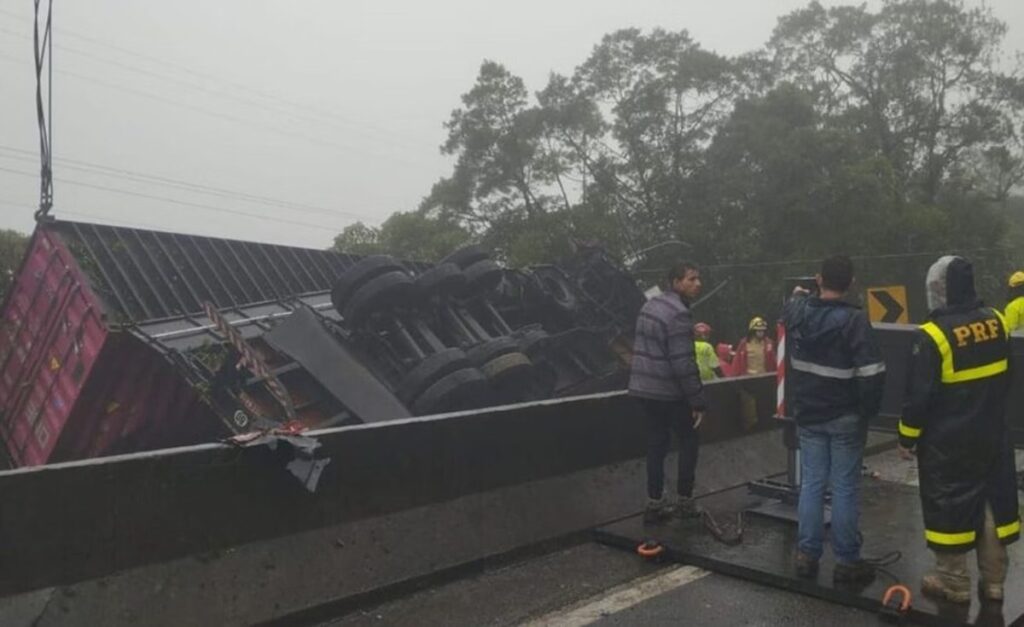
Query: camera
(808, 283)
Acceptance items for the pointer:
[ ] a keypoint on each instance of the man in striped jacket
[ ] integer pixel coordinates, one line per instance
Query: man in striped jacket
(666, 380)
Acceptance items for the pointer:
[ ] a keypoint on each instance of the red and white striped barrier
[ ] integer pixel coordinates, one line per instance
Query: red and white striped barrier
(780, 371)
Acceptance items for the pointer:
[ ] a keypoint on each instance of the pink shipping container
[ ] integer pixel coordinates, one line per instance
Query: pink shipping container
(89, 330)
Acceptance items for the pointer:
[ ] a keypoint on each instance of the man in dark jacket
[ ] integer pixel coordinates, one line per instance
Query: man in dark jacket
(665, 378)
(954, 417)
(836, 380)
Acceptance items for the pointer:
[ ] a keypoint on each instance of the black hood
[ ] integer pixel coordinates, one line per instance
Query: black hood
(950, 284)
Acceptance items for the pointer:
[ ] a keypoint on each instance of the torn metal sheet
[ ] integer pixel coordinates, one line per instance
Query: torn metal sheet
(304, 465)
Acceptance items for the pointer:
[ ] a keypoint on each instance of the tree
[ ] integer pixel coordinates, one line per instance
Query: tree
(413, 235)
(666, 96)
(495, 138)
(919, 79)
(12, 249)
(358, 239)
(791, 187)
(418, 236)
(870, 132)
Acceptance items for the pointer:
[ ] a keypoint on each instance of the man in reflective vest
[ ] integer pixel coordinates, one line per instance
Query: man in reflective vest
(1015, 308)
(954, 419)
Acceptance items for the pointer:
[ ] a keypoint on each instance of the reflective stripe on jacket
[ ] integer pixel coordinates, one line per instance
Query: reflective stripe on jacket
(954, 413)
(836, 365)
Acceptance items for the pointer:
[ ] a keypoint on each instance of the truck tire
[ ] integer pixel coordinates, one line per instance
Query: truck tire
(357, 276)
(429, 371)
(380, 292)
(442, 279)
(482, 277)
(507, 366)
(534, 342)
(463, 389)
(488, 350)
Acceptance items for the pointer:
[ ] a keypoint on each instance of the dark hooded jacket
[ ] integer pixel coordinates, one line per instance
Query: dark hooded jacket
(835, 366)
(954, 413)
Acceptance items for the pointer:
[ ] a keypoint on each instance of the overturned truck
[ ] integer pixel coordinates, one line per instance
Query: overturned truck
(115, 340)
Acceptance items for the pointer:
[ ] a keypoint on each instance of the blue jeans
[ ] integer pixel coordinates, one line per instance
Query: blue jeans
(833, 449)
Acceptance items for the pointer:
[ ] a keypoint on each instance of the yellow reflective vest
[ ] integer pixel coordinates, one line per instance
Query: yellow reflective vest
(954, 413)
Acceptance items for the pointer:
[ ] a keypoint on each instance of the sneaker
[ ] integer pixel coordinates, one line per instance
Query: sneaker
(688, 508)
(657, 511)
(805, 565)
(933, 586)
(854, 572)
(992, 592)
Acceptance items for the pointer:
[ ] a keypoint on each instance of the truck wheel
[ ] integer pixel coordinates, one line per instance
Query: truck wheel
(482, 277)
(534, 342)
(443, 279)
(429, 371)
(507, 366)
(488, 350)
(380, 292)
(462, 389)
(357, 276)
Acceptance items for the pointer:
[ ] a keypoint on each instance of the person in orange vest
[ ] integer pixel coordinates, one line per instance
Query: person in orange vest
(1015, 308)
(755, 353)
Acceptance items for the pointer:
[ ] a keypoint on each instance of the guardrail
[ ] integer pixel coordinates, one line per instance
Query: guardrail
(70, 522)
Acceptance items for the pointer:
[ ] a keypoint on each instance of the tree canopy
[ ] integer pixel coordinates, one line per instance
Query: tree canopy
(889, 131)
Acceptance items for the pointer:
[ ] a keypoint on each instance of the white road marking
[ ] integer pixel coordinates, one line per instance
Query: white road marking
(619, 598)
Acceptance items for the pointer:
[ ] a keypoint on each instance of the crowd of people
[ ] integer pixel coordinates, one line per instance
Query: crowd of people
(753, 354)
(953, 415)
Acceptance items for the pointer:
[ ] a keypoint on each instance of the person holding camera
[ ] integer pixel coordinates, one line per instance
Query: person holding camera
(836, 380)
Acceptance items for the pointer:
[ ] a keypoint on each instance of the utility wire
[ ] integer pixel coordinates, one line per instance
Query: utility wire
(133, 223)
(43, 53)
(289, 110)
(183, 203)
(359, 125)
(153, 179)
(348, 149)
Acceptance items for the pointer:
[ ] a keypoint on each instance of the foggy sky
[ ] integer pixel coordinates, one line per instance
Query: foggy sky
(335, 107)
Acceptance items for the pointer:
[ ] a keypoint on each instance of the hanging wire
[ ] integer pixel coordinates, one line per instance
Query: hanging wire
(44, 54)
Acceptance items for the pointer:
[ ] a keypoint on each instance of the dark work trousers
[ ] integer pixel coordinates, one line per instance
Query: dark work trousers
(664, 417)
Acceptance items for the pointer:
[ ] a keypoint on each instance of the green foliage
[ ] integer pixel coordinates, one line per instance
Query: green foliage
(918, 80)
(895, 131)
(358, 239)
(413, 235)
(12, 249)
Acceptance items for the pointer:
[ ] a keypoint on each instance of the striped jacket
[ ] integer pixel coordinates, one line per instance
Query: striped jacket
(664, 360)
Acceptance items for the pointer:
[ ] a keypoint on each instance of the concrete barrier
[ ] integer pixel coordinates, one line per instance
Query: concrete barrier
(70, 522)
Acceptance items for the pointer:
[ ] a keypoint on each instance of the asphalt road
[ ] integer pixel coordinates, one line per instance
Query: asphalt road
(546, 590)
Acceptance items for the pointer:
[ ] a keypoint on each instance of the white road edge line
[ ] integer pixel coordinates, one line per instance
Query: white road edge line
(619, 598)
